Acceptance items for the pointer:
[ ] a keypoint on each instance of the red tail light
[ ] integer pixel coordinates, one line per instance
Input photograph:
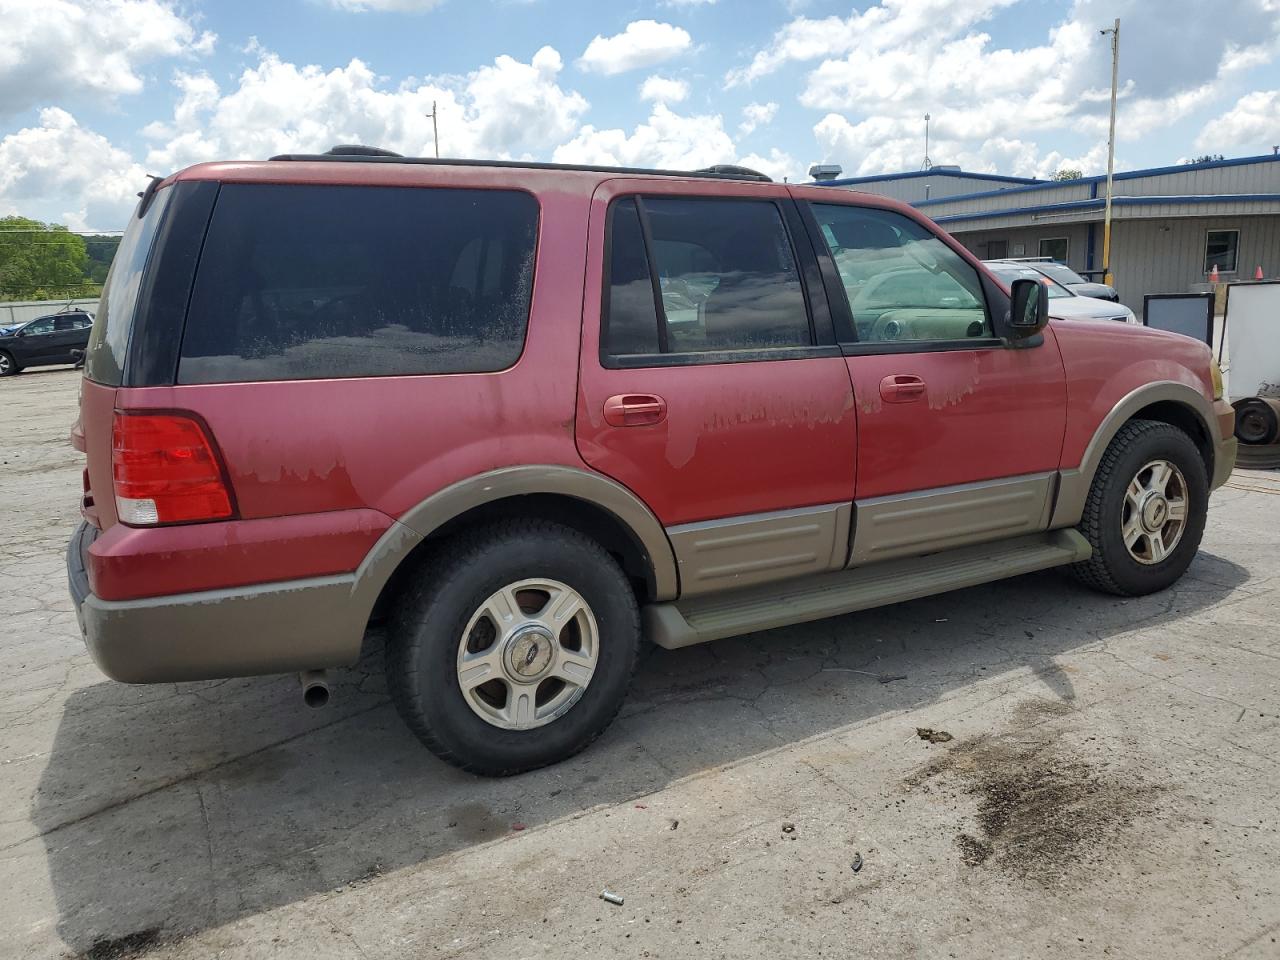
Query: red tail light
(166, 470)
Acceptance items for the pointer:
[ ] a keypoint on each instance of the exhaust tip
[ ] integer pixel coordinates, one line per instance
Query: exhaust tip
(316, 695)
(315, 688)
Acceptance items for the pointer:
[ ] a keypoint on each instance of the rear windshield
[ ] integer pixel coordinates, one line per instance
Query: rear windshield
(104, 357)
(303, 282)
(1009, 272)
(1060, 273)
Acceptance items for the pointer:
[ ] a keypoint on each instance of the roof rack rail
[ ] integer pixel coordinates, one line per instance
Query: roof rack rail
(360, 150)
(356, 153)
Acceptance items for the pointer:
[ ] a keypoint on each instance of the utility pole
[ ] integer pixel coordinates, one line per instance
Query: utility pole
(927, 163)
(435, 132)
(1107, 278)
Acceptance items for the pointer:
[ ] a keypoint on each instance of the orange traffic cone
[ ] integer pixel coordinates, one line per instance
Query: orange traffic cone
(1257, 274)
(1213, 274)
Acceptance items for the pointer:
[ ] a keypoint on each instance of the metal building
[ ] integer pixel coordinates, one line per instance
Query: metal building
(1170, 225)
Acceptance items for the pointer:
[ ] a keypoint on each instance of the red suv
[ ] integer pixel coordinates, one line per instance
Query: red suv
(530, 414)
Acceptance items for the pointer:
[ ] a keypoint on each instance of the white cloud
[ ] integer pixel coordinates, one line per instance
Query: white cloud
(505, 109)
(642, 44)
(888, 144)
(63, 167)
(778, 165)
(1252, 125)
(56, 49)
(757, 115)
(665, 140)
(393, 6)
(663, 90)
(687, 3)
(880, 70)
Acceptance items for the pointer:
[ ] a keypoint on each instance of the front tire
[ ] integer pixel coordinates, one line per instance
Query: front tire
(8, 366)
(514, 647)
(1145, 512)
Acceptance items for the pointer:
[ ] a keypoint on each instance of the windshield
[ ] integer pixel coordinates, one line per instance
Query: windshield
(1009, 272)
(1060, 273)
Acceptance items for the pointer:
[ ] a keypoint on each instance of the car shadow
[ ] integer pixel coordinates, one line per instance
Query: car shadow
(180, 807)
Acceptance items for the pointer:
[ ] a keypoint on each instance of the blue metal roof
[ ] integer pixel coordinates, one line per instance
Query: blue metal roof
(1126, 175)
(1100, 202)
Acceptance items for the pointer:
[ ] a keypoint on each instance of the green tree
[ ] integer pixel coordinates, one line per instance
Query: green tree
(1206, 158)
(40, 261)
(1068, 173)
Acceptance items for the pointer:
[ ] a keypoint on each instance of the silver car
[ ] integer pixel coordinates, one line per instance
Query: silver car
(1063, 303)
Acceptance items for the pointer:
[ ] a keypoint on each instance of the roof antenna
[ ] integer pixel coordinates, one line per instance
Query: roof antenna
(928, 164)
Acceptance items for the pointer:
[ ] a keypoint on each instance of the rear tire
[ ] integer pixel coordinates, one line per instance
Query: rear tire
(1145, 512)
(514, 647)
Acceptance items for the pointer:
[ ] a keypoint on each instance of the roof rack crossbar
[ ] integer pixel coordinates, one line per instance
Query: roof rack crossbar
(711, 173)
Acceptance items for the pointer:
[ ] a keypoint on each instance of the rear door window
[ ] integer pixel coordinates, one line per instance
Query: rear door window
(303, 282)
(727, 278)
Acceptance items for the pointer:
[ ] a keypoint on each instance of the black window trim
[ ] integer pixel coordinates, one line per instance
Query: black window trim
(842, 310)
(817, 311)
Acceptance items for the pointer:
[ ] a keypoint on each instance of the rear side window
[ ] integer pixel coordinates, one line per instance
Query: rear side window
(303, 282)
(104, 356)
(727, 278)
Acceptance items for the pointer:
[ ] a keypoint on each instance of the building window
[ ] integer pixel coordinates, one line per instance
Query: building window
(1220, 249)
(1055, 248)
(997, 249)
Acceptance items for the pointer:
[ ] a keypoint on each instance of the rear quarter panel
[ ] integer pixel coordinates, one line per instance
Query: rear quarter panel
(1105, 361)
(386, 443)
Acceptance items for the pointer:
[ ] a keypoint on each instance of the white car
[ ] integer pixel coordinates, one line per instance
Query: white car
(1062, 302)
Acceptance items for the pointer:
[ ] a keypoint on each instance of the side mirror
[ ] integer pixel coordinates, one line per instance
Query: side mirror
(1028, 308)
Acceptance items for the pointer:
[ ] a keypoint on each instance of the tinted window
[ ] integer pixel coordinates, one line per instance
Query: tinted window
(903, 282)
(1009, 272)
(301, 282)
(104, 357)
(64, 323)
(726, 273)
(631, 317)
(36, 327)
(1060, 273)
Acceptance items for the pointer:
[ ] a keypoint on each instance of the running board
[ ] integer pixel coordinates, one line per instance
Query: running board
(697, 620)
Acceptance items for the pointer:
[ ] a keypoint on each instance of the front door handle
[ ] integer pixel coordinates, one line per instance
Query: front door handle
(902, 388)
(634, 410)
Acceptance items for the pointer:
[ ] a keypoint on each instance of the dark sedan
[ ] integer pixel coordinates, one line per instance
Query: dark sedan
(59, 338)
(1070, 279)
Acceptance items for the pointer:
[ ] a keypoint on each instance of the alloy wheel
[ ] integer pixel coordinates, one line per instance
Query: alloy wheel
(1155, 511)
(527, 654)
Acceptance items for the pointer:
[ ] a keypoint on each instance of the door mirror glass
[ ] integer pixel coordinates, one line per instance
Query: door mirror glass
(1029, 307)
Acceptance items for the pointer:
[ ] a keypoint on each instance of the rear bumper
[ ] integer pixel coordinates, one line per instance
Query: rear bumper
(244, 631)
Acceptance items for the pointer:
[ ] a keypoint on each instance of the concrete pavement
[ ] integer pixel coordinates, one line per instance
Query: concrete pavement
(1111, 788)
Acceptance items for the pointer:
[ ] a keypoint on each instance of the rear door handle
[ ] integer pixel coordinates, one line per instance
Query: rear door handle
(902, 388)
(634, 410)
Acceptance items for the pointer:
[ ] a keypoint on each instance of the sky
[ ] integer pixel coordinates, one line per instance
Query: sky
(94, 96)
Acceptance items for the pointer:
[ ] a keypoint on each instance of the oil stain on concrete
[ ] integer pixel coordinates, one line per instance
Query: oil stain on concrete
(1040, 811)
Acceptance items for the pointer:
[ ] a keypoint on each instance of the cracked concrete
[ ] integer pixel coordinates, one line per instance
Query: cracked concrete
(1111, 788)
